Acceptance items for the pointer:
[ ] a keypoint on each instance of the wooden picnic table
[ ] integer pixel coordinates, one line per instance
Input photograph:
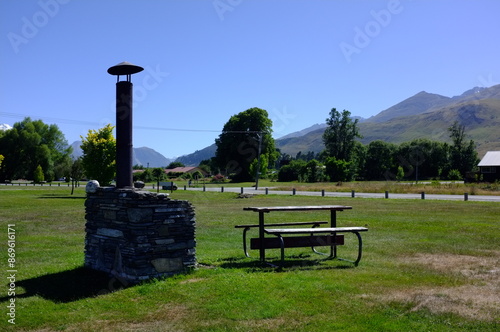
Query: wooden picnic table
(332, 239)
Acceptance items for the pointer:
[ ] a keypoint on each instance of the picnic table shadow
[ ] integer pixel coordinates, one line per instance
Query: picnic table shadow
(68, 286)
(58, 196)
(292, 262)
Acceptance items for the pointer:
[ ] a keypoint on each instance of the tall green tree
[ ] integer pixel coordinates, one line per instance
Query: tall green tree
(340, 135)
(29, 144)
(379, 160)
(99, 155)
(463, 155)
(423, 158)
(238, 144)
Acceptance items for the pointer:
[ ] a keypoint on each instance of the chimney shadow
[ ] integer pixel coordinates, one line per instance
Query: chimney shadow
(70, 285)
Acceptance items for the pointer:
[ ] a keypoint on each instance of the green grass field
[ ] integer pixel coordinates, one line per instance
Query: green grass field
(427, 266)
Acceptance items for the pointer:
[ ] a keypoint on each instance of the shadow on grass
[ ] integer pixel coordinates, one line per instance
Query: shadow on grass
(299, 262)
(61, 197)
(68, 286)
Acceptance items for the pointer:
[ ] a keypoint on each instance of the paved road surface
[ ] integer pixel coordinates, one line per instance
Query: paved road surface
(262, 191)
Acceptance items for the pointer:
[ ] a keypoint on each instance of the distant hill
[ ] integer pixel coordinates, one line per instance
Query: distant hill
(424, 115)
(312, 141)
(306, 131)
(424, 102)
(77, 151)
(416, 104)
(146, 156)
(140, 156)
(481, 119)
(196, 157)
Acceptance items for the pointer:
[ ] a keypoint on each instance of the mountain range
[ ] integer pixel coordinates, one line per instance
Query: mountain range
(424, 115)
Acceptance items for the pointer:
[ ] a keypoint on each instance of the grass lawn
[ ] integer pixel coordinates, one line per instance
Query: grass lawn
(427, 266)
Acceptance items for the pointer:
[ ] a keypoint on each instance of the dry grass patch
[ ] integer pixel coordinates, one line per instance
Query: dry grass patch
(270, 324)
(477, 299)
(169, 317)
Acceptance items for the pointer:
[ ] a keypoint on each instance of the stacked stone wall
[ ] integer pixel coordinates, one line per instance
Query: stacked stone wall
(137, 235)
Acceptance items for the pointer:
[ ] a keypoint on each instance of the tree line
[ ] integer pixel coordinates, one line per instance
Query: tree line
(34, 150)
(245, 151)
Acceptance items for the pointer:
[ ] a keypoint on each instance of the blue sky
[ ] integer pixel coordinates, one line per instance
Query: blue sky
(206, 60)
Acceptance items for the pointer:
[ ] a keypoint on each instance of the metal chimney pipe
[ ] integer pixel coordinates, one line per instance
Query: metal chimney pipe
(124, 134)
(124, 123)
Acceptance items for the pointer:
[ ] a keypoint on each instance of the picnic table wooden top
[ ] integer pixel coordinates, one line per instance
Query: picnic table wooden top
(297, 208)
(315, 230)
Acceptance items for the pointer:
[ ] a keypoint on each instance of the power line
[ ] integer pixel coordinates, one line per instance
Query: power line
(90, 123)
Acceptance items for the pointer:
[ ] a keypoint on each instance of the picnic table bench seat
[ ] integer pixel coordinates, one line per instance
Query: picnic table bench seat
(332, 240)
(248, 227)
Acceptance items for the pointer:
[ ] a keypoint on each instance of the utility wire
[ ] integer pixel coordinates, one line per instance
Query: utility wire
(90, 123)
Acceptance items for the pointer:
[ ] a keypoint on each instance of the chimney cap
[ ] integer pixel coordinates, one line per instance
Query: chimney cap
(124, 68)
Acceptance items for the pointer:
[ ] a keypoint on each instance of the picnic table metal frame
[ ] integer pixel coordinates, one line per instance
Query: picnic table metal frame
(246, 228)
(278, 232)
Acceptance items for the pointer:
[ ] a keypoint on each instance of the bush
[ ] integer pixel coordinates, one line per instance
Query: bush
(218, 178)
(174, 175)
(400, 174)
(338, 170)
(38, 175)
(455, 175)
(291, 171)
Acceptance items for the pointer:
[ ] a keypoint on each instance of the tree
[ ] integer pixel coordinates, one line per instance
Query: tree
(197, 175)
(206, 165)
(238, 144)
(423, 158)
(283, 159)
(380, 160)
(158, 175)
(264, 165)
(312, 172)
(38, 175)
(175, 164)
(340, 135)
(76, 173)
(463, 155)
(63, 169)
(338, 169)
(29, 144)
(291, 171)
(99, 155)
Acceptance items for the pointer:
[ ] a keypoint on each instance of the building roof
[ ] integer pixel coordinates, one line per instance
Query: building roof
(491, 158)
(184, 170)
